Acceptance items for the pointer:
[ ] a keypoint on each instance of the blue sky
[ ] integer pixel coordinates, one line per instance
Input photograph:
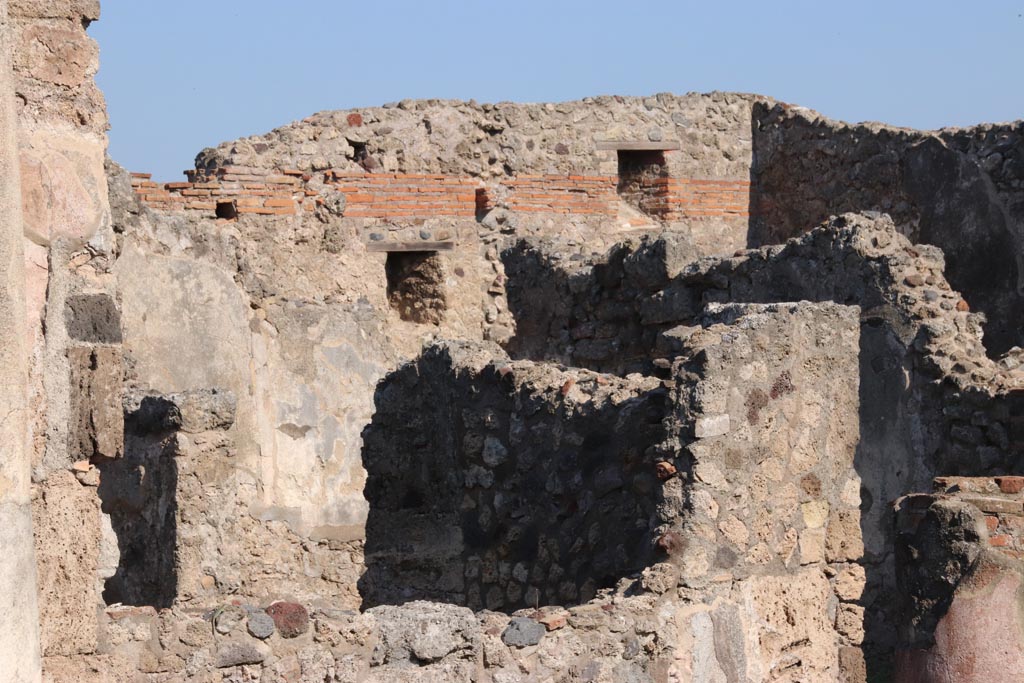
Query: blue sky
(185, 75)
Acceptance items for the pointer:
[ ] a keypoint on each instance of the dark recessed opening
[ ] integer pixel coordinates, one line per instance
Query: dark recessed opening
(642, 176)
(140, 493)
(227, 210)
(361, 155)
(416, 285)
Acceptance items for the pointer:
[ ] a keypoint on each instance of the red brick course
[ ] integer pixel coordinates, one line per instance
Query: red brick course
(423, 195)
(406, 195)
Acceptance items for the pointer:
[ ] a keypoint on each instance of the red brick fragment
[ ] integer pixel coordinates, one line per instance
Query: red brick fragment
(291, 619)
(1010, 484)
(1000, 541)
(664, 470)
(670, 542)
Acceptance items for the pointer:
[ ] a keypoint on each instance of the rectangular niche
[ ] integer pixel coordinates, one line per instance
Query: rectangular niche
(642, 180)
(416, 286)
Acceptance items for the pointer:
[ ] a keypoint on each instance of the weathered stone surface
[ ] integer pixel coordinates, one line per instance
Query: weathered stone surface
(93, 318)
(260, 624)
(249, 448)
(427, 631)
(523, 632)
(794, 624)
(97, 415)
(67, 541)
(237, 653)
(291, 619)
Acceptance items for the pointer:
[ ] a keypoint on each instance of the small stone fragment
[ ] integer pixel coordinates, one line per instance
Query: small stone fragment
(227, 619)
(554, 621)
(664, 470)
(660, 578)
(523, 632)
(236, 654)
(260, 624)
(291, 619)
(713, 425)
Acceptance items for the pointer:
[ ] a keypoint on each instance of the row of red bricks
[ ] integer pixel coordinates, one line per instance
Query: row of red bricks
(401, 195)
(564, 195)
(264, 198)
(424, 195)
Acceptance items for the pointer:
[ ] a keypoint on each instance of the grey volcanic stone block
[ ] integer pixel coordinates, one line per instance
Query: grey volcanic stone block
(523, 632)
(236, 654)
(260, 625)
(93, 318)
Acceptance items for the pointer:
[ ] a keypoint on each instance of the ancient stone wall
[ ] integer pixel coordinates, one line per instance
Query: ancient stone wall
(959, 189)
(229, 394)
(772, 492)
(931, 401)
(477, 463)
(503, 484)
(542, 168)
(19, 612)
(61, 139)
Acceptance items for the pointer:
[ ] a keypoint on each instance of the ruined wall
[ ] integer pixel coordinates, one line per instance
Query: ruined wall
(61, 143)
(502, 484)
(959, 564)
(19, 627)
(542, 168)
(959, 189)
(483, 434)
(931, 401)
(769, 507)
(213, 351)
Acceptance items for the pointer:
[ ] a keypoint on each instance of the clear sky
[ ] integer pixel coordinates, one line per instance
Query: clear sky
(180, 76)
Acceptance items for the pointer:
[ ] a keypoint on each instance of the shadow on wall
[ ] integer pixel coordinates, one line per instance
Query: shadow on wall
(959, 190)
(912, 427)
(606, 317)
(488, 489)
(139, 493)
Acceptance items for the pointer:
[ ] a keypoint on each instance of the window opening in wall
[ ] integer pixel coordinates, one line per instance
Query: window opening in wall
(416, 285)
(642, 175)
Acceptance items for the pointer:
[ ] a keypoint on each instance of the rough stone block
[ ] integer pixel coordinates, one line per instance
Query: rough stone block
(93, 318)
(97, 413)
(67, 539)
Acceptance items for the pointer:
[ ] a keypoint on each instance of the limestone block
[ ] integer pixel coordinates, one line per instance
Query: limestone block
(61, 55)
(850, 583)
(55, 9)
(67, 530)
(844, 541)
(812, 546)
(793, 624)
(63, 186)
